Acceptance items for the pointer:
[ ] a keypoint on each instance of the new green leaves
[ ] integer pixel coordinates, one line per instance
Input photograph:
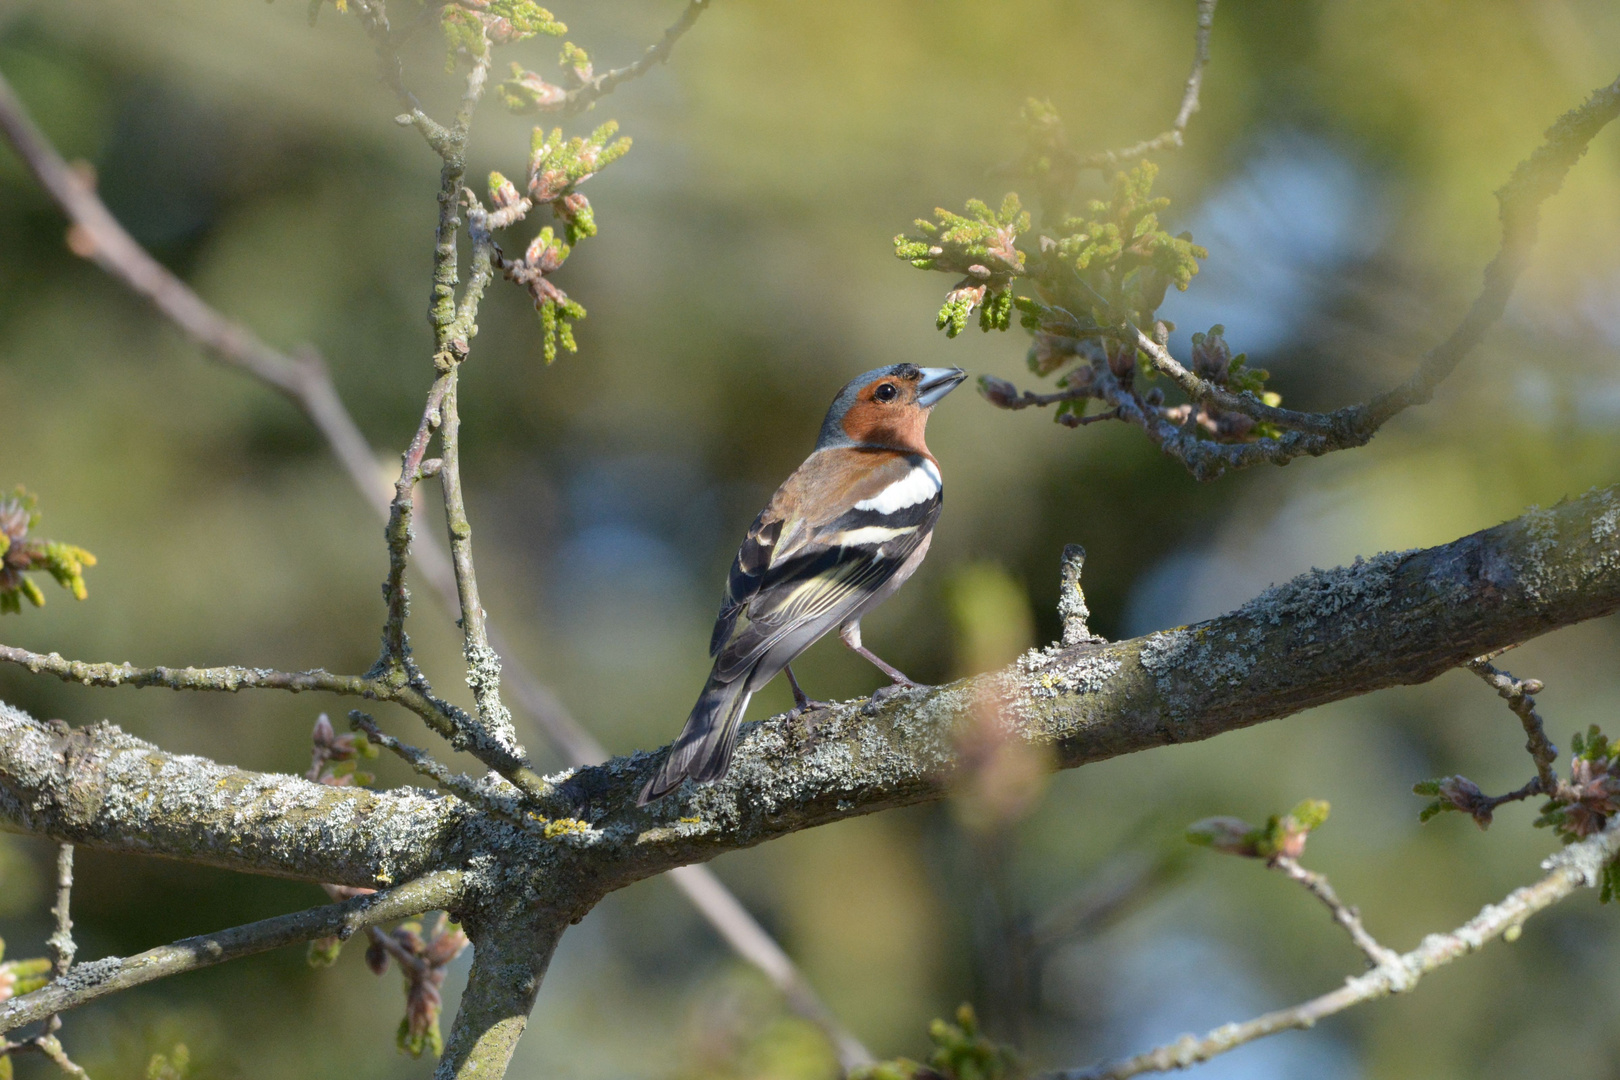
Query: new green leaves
(961, 1052)
(1282, 834)
(983, 247)
(557, 167)
(21, 555)
(471, 26)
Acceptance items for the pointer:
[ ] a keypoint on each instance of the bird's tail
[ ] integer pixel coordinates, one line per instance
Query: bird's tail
(702, 751)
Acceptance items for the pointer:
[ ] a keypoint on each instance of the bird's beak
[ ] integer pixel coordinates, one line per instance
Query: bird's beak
(936, 382)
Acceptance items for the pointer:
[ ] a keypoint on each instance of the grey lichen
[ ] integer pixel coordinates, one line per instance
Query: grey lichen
(1057, 672)
(1319, 595)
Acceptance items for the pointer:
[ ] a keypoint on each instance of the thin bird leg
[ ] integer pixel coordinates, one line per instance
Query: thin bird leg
(850, 634)
(802, 702)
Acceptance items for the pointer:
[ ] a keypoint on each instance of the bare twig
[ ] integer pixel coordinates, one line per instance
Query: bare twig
(1576, 866)
(98, 978)
(584, 97)
(1343, 914)
(1518, 694)
(440, 715)
(1109, 160)
(460, 785)
(51, 1047)
(60, 943)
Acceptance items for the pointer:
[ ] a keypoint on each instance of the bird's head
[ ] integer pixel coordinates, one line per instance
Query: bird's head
(887, 407)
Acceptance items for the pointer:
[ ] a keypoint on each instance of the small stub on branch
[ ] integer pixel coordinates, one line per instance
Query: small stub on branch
(1072, 599)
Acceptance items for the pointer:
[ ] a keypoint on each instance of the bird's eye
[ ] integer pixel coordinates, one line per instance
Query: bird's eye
(885, 392)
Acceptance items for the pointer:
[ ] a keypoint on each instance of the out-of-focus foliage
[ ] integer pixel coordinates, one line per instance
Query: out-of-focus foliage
(961, 1052)
(740, 273)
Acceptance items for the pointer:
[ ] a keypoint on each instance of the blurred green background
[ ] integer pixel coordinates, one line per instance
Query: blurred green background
(1340, 173)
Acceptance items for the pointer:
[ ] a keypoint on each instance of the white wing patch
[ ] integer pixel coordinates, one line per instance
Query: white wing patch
(919, 485)
(868, 536)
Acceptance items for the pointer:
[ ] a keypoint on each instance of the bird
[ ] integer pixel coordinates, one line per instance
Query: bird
(837, 539)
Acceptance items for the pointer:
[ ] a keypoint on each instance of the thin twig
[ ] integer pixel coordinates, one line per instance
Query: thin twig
(440, 715)
(1576, 866)
(1109, 160)
(51, 1047)
(60, 944)
(1343, 914)
(460, 785)
(583, 97)
(98, 978)
(1518, 694)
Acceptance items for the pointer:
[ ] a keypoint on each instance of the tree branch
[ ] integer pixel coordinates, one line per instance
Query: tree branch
(87, 982)
(1535, 180)
(584, 97)
(1397, 618)
(1576, 866)
(1109, 160)
(509, 960)
(237, 346)
(99, 787)
(1346, 916)
(1517, 693)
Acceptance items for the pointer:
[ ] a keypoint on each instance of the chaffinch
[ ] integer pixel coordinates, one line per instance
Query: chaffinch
(837, 539)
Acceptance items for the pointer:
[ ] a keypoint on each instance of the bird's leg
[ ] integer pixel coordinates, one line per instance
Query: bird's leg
(850, 634)
(802, 702)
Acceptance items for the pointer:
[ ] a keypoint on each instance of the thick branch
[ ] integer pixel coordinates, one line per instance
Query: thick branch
(99, 787)
(1395, 619)
(1574, 867)
(509, 960)
(112, 974)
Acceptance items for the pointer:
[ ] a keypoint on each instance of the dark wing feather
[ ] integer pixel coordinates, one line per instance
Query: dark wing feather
(747, 570)
(819, 579)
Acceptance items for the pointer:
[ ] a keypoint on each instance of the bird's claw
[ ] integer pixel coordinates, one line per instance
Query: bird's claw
(885, 693)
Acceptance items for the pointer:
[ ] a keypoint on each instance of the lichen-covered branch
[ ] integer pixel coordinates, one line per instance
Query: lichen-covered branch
(510, 956)
(98, 978)
(1398, 618)
(102, 788)
(1569, 870)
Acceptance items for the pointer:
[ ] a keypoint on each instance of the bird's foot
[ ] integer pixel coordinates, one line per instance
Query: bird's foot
(805, 706)
(899, 686)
